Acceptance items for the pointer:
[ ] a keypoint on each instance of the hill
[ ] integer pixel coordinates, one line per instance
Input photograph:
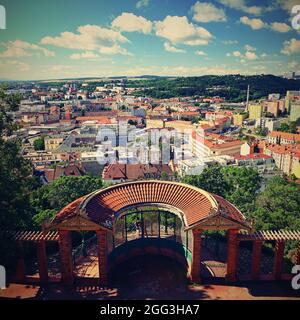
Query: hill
(231, 87)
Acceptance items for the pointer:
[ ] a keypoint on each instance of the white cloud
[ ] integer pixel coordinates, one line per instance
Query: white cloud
(90, 38)
(19, 48)
(207, 12)
(201, 53)
(229, 42)
(129, 22)
(248, 47)
(179, 30)
(291, 47)
(168, 47)
(84, 55)
(142, 3)
(280, 27)
(255, 24)
(242, 6)
(236, 54)
(249, 55)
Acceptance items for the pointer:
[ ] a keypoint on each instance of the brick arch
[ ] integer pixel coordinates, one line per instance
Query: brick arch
(196, 205)
(100, 210)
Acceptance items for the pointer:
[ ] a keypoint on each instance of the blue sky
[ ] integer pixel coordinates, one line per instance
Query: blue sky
(94, 38)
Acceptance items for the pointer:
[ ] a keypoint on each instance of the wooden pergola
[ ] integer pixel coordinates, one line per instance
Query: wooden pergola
(39, 238)
(279, 237)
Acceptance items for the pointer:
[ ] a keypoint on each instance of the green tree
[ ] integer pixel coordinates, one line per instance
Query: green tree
(238, 185)
(278, 206)
(39, 143)
(164, 176)
(51, 198)
(212, 179)
(15, 178)
(244, 185)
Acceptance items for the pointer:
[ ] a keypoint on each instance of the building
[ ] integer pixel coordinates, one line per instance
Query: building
(59, 171)
(52, 142)
(212, 144)
(268, 123)
(255, 111)
(296, 165)
(247, 148)
(237, 119)
(116, 172)
(272, 108)
(261, 162)
(195, 166)
(294, 111)
(278, 137)
(286, 157)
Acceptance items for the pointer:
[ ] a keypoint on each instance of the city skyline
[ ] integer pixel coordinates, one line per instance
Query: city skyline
(132, 38)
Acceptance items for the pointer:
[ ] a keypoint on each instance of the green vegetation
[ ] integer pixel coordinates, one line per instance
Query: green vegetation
(261, 131)
(289, 127)
(50, 198)
(231, 87)
(16, 182)
(39, 144)
(277, 207)
(239, 185)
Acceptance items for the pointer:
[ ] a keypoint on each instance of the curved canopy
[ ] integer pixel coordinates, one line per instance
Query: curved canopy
(195, 205)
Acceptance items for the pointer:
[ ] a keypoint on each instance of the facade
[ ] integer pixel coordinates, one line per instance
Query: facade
(255, 111)
(210, 144)
(286, 157)
(278, 137)
(294, 111)
(268, 123)
(262, 162)
(238, 119)
(53, 142)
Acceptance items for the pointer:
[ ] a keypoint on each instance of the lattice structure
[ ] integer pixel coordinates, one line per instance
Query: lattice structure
(281, 235)
(34, 236)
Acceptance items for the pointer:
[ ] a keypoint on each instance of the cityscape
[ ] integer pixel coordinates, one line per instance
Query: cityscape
(150, 150)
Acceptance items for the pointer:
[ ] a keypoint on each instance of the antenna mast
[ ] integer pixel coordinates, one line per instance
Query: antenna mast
(248, 95)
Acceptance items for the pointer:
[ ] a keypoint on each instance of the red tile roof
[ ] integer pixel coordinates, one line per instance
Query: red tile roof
(253, 156)
(117, 171)
(196, 204)
(285, 135)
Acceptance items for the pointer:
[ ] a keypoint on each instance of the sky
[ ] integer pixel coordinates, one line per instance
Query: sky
(100, 38)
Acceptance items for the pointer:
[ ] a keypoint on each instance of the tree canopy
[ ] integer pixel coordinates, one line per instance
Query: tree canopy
(277, 207)
(238, 185)
(50, 198)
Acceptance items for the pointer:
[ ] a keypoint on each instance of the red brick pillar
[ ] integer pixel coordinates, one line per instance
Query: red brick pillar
(21, 268)
(232, 255)
(256, 258)
(42, 261)
(278, 259)
(102, 257)
(65, 249)
(196, 260)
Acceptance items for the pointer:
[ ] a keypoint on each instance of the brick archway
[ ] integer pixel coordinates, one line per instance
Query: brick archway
(198, 210)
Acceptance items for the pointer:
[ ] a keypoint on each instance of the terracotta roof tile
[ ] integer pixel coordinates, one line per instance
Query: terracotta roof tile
(194, 203)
